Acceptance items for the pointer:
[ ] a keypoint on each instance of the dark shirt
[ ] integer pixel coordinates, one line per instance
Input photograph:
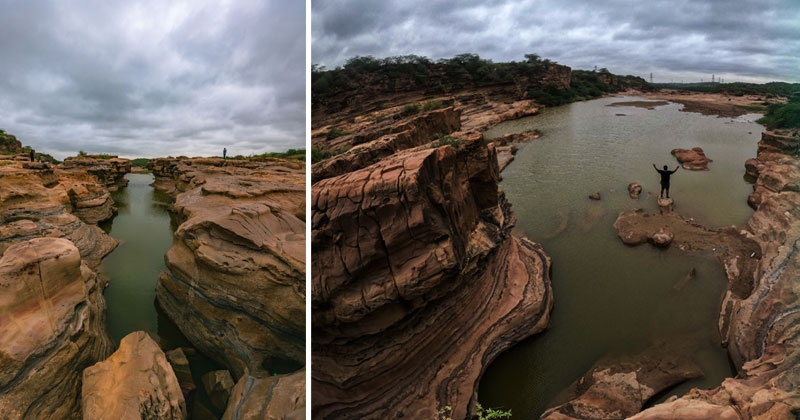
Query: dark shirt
(665, 176)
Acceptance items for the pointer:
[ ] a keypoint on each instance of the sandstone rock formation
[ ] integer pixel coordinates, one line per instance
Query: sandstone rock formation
(109, 170)
(381, 140)
(136, 382)
(618, 387)
(52, 325)
(41, 203)
(759, 323)
(287, 397)
(417, 283)
(235, 277)
(694, 159)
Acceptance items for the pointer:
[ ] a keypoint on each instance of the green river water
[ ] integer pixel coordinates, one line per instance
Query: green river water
(143, 227)
(611, 298)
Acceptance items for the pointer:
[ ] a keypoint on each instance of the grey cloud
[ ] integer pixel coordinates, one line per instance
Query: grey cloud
(746, 39)
(153, 78)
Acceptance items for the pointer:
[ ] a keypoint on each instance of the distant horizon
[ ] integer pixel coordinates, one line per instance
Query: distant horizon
(701, 79)
(743, 40)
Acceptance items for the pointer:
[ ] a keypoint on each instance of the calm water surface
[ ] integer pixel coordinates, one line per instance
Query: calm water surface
(142, 226)
(610, 298)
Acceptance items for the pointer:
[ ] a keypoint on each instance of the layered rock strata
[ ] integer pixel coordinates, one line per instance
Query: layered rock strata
(47, 203)
(417, 284)
(52, 325)
(109, 170)
(760, 327)
(235, 277)
(136, 382)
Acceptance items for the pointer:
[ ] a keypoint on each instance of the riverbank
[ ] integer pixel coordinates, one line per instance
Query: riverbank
(722, 105)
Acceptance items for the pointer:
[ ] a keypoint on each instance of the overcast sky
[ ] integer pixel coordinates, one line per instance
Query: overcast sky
(676, 40)
(153, 78)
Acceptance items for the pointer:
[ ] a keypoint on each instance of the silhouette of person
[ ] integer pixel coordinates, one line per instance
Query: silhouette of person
(33, 155)
(665, 178)
(224, 153)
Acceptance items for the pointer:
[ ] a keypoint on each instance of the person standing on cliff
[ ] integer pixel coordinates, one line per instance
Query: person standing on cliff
(224, 153)
(665, 173)
(33, 155)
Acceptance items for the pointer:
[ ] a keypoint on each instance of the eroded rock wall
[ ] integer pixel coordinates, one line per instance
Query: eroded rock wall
(417, 284)
(52, 325)
(235, 277)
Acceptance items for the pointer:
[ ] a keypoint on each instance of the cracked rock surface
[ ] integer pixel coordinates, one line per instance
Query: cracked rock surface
(417, 283)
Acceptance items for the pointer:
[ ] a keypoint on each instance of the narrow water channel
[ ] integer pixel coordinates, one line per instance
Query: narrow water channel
(610, 298)
(143, 228)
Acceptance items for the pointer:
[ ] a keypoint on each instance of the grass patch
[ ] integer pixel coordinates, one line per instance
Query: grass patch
(432, 105)
(753, 108)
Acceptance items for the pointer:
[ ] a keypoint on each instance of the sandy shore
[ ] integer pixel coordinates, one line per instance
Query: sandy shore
(708, 103)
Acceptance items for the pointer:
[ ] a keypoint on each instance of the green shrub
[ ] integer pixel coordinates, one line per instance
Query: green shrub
(336, 132)
(782, 115)
(448, 141)
(319, 154)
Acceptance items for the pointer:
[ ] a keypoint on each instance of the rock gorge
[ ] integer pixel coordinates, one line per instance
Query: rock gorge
(418, 281)
(239, 256)
(235, 277)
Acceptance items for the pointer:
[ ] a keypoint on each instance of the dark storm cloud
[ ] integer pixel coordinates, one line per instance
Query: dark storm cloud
(745, 40)
(153, 78)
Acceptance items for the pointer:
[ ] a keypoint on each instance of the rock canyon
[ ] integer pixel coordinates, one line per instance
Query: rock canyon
(235, 284)
(419, 281)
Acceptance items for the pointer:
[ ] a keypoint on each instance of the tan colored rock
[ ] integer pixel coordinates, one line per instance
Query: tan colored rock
(37, 203)
(268, 397)
(412, 254)
(692, 159)
(235, 278)
(52, 320)
(136, 382)
(372, 144)
(110, 171)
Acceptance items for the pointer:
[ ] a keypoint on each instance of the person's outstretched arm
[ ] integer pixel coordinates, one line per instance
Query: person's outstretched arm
(654, 167)
(676, 169)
